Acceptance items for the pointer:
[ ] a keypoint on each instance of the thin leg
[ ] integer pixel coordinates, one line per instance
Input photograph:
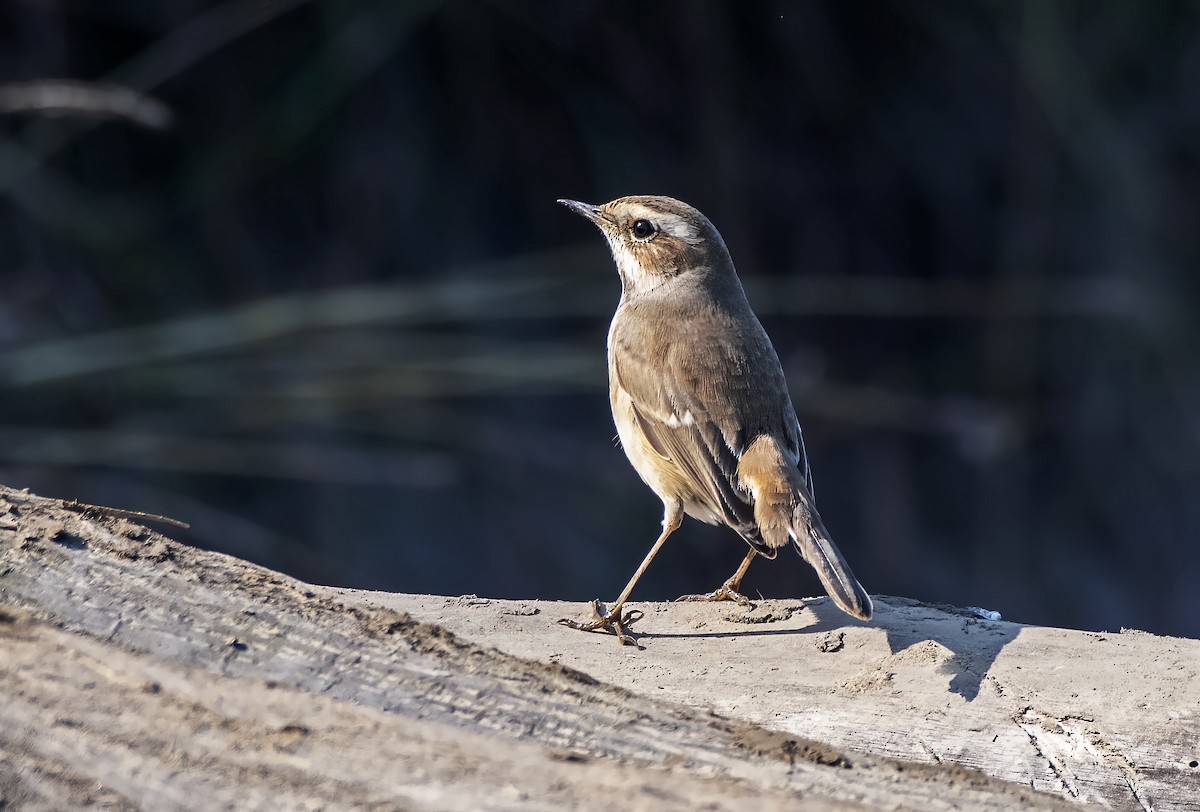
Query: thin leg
(728, 591)
(612, 620)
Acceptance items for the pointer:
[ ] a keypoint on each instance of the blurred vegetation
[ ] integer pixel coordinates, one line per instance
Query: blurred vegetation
(293, 271)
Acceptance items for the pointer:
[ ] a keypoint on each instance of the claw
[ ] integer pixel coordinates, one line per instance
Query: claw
(725, 592)
(612, 621)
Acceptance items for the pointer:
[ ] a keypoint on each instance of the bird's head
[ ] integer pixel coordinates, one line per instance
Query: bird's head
(656, 240)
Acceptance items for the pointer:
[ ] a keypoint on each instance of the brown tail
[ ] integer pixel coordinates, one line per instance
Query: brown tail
(783, 510)
(813, 543)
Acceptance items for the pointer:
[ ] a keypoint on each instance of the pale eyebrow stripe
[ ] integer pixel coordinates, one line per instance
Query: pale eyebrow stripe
(676, 226)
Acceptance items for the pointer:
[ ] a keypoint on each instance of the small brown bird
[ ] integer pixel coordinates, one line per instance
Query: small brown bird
(700, 402)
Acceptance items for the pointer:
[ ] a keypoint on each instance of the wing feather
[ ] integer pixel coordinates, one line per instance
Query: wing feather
(704, 382)
(706, 449)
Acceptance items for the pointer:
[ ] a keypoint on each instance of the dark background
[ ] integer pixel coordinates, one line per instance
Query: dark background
(330, 314)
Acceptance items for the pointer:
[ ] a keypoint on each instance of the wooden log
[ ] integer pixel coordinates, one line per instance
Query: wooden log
(139, 672)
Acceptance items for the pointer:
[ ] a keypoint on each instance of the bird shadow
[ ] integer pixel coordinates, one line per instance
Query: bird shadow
(961, 642)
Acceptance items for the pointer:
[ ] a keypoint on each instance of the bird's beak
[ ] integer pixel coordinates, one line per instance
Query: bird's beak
(589, 211)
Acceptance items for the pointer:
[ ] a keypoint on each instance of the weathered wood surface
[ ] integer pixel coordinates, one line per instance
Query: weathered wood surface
(1112, 719)
(138, 672)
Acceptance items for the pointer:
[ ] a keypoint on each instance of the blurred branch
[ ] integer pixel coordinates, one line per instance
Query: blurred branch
(980, 428)
(168, 57)
(464, 297)
(204, 34)
(68, 97)
(360, 46)
(357, 49)
(1102, 145)
(534, 286)
(286, 459)
(898, 297)
(99, 221)
(427, 365)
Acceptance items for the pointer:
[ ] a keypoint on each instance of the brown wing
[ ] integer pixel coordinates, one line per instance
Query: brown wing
(703, 402)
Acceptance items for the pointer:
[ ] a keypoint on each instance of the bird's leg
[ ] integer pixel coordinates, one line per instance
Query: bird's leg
(728, 591)
(612, 620)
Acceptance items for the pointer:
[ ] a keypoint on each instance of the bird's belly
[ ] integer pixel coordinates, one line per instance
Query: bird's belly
(660, 473)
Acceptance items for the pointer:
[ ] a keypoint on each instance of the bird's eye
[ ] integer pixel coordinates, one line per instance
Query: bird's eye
(643, 229)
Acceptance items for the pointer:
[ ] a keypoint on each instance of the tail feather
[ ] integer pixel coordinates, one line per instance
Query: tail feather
(783, 511)
(813, 543)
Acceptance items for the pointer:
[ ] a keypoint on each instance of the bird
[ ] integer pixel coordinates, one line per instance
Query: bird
(701, 404)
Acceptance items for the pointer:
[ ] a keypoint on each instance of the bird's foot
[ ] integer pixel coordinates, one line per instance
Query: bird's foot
(725, 592)
(612, 621)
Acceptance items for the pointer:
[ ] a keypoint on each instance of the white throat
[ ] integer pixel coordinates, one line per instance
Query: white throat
(634, 278)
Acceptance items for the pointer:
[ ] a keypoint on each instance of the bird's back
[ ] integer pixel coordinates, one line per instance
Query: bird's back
(696, 380)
